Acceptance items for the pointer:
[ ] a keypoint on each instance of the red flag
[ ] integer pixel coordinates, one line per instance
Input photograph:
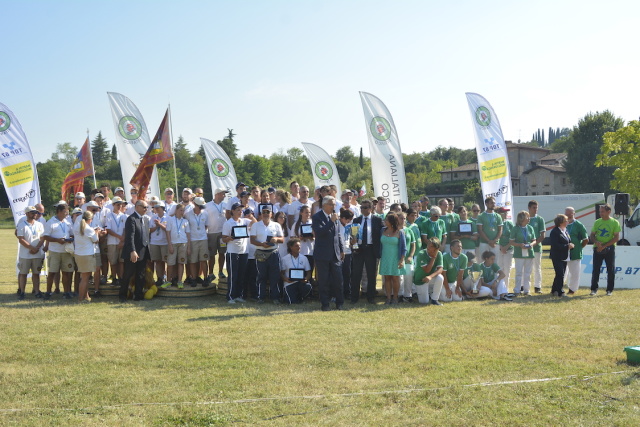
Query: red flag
(82, 167)
(159, 152)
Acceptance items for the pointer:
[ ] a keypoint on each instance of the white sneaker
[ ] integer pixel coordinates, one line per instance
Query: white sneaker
(239, 299)
(593, 293)
(609, 293)
(231, 301)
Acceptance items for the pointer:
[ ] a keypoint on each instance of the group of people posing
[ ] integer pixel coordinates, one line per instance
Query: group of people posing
(285, 246)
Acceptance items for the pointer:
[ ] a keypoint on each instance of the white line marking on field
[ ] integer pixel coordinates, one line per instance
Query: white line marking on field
(317, 396)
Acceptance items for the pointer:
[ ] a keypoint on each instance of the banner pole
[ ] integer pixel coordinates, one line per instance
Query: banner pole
(175, 172)
(95, 184)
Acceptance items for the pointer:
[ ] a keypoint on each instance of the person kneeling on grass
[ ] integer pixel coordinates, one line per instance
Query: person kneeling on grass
(493, 278)
(428, 272)
(295, 289)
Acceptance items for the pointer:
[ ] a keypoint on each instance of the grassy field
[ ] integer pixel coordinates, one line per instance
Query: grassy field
(536, 361)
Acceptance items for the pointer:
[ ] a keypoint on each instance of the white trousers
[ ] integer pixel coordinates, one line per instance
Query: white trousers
(573, 274)
(433, 288)
(504, 261)
(454, 296)
(523, 274)
(406, 281)
(484, 291)
(485, 247)
(537, 270)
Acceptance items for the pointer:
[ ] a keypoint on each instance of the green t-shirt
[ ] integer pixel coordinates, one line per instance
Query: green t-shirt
(507, 226)
(416, 234)
(537, 222)
(409, 238)
(467, 243)
(491, 223)
(605, 230)
(452, 265)
(422, 260)
(523, 235)
(433, 228)
(578, 232)
(489, 273)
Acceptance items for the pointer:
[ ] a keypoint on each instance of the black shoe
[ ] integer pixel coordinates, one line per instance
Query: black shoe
(66, 295)
(371, 300)
(97, 294)
(47, 296)
(122, 299)
(326, 308)
(506, 298)
(199, 280)
(138, 298)
(339, 307)
(21, 296)
(57, 291)
(538, 290)
(435, 302)
(39, 295)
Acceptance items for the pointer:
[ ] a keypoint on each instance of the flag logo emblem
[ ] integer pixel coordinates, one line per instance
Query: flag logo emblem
(483, 116)
(220, 168)
(5, 121)
(324, 170)
(380, 128)
(130, 128)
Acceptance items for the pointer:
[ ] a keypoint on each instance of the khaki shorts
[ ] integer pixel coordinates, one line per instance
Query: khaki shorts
(30, 264)
(115, 254)
(61, 261)
(159, 252)
(179, 255)
(213, 241)
(86, 263)
(199, 251)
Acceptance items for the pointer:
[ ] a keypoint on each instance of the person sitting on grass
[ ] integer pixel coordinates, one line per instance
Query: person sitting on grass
(493, 277)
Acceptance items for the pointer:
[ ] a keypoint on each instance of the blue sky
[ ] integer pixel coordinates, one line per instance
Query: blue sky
(282, 72)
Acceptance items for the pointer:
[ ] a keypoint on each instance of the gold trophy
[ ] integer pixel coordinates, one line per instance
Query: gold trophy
(475, 276)
(355, 229)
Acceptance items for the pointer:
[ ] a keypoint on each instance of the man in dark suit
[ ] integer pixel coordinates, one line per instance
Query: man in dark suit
(368, 252)
(559, 253)
(135, 250)
(328, 253)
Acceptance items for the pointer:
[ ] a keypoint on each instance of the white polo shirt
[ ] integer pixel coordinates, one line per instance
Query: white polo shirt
(217, 216)
(236, 246)
(178, 228)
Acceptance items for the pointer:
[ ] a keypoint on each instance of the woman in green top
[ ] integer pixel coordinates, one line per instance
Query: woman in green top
(523, 239)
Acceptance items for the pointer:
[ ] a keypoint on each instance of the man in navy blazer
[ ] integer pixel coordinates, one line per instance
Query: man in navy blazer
(135, 251)
(367, 253)
(559, 252)
(328, 253)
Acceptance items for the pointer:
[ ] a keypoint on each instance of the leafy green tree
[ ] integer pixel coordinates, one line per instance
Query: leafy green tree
(100, 150)
(65, 155)
(114, 152)
(621, 150)
(50, 177)
(587, 138)
(229, 146)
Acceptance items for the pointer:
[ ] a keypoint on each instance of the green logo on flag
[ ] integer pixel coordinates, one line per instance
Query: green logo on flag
(5, 121)
(130, 128)
(380, 128)
(220, 168)
(483, 116)
(324, 170)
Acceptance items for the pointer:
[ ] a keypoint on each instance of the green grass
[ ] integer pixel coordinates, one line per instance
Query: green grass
(202, 362)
